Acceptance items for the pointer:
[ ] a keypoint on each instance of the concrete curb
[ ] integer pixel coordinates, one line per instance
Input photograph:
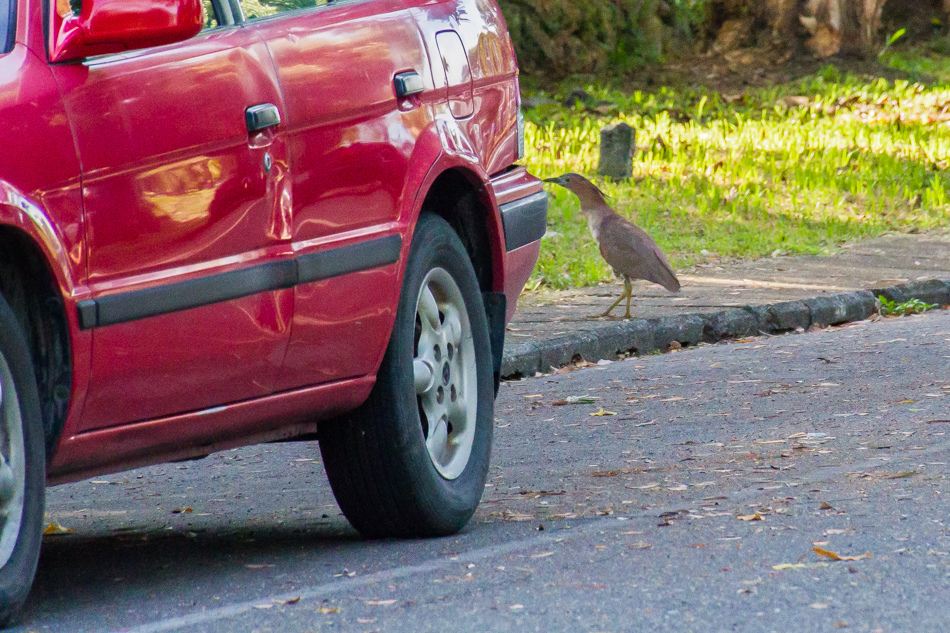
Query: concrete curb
(643, 336)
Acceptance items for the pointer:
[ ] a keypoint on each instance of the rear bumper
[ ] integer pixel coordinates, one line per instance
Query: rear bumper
(524, 212)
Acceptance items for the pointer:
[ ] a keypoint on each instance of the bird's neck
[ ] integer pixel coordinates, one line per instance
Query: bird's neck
(596, 216)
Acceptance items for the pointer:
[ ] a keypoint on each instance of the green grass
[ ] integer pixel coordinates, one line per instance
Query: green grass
(748, 178)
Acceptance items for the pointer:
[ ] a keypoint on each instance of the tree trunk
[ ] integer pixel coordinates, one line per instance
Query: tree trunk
(849, 27)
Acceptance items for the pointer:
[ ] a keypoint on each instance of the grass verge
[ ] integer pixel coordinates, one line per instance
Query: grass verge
(796, 168)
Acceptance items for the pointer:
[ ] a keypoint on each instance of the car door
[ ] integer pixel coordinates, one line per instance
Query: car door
(184, 188)
(350, 140)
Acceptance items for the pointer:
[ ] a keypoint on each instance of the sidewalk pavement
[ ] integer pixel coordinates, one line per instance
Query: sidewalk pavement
(727, 300)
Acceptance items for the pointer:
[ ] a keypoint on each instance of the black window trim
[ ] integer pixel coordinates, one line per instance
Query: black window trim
(243, 19)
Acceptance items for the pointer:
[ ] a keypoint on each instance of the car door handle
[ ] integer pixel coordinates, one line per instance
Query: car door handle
(262, 116)
(408, 83)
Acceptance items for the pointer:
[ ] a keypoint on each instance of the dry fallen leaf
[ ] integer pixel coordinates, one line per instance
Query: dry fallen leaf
(291, 601)
(602, 412)
(381, 603)
(542, 555)
(834, 556)
(56, 528)
(507, 515)
(750, 517)
(327, 610)
(798, 566)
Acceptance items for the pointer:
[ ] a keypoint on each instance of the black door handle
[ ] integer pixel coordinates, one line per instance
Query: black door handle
(262, 116)
(408, 83)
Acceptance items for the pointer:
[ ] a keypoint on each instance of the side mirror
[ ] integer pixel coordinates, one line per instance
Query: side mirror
(112, 26)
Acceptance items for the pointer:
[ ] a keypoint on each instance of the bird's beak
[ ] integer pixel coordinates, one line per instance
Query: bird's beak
(557, 181)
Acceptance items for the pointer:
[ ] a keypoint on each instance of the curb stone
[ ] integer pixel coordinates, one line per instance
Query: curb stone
(929, 291)
(644, 336)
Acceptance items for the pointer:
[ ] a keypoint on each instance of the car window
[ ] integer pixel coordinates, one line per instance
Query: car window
(6, 25)
(263, 8)
(211, 16)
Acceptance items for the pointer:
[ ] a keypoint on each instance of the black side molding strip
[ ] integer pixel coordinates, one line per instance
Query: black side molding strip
(195, 293)
(524, 220)
(349, 259)
(184, 295)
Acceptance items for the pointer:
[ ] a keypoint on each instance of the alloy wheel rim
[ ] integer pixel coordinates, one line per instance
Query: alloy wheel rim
(12, 464)
(444, 373)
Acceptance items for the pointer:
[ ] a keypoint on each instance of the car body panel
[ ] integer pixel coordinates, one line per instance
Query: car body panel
(336, 65)
(484, 34)
(216, 299)
(175, 186)
(271, 418)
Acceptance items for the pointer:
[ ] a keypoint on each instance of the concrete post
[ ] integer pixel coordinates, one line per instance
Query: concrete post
(617, 145)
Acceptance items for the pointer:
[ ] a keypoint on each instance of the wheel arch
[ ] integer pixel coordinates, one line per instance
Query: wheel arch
(29, 286)
(462, 199)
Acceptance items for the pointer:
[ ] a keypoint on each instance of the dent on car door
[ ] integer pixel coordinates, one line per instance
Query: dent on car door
(350, 139)
(186, 225)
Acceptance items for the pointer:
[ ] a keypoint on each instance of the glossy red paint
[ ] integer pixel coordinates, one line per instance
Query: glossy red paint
(140, 23)
(161, 135)
(110, 26)
(275, 417)
(336, 68)
(513, 185)
(140, 175)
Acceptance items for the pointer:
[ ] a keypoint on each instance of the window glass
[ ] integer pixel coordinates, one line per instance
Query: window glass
(262, 8)
(208, 10)
(6, 25)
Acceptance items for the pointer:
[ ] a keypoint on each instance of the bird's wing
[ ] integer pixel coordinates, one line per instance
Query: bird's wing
(631, 252)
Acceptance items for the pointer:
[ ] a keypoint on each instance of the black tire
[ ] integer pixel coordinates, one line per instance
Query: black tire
(386, 480)
(19, 407)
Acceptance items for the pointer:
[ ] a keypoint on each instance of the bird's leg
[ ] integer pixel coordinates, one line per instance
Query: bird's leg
(626, 293)
(628, 290)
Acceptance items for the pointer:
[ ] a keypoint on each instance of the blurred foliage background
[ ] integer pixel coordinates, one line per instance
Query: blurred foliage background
(558, 38)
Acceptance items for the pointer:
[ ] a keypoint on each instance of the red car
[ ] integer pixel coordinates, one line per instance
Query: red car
(244, 221)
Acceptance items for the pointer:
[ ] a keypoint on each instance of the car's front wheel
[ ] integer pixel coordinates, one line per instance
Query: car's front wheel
(22, 468)
(412, 461)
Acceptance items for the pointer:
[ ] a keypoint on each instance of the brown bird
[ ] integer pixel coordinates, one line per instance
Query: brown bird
(627, 248)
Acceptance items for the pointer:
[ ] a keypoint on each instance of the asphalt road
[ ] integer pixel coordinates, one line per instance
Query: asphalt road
(700, 500)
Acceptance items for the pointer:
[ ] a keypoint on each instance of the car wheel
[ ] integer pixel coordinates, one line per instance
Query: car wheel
(22, 468)
(412, 461)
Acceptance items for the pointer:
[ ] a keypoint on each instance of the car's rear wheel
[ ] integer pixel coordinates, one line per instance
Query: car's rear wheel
(412, 461)
(22, 468)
